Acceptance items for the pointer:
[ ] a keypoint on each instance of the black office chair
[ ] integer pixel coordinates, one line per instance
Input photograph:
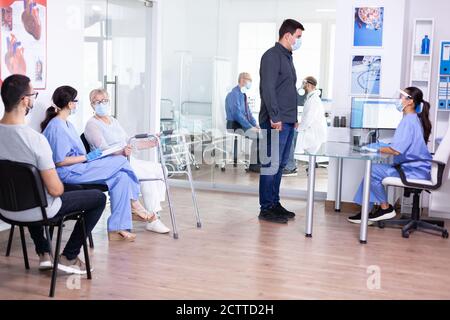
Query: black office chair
(439, 172)
(21, 188)
(67, 188)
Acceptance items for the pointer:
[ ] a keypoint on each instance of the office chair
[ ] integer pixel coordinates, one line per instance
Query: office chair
(67, 188)
(21, 188)
(439, 173)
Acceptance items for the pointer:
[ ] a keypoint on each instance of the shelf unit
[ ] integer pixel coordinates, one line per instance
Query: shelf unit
(439, 205)
(420, 71)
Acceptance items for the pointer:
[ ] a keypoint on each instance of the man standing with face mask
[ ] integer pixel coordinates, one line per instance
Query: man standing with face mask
(278, 118)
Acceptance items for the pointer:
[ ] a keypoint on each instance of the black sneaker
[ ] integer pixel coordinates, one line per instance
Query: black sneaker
(272, 216)
(283, 212)
(357, 219)
(254, 168)
(382, 214)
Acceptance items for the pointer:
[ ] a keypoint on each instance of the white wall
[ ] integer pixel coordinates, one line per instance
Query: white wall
(65, 27)
(391, 76)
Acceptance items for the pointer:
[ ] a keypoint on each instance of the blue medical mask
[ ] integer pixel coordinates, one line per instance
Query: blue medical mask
(297, 44)
(102, 109)
(248, 85)
(399, 106)
(73, 111)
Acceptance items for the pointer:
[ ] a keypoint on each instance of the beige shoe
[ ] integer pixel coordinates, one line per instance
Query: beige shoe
(142, 215)
(75, 266)
(121, 236)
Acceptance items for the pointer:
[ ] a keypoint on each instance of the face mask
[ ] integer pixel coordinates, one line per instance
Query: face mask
(248, 85)
(297, 44)
(399, 106)
(102, 109)
(244, 89)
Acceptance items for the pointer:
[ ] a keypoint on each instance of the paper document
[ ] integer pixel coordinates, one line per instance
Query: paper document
(113, 149)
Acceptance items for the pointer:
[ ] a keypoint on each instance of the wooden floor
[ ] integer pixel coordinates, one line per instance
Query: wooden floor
(234, 256)
(238, 176)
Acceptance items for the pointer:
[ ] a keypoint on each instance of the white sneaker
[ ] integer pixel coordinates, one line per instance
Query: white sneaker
(157, 226)
(75, 266)
(45, 262)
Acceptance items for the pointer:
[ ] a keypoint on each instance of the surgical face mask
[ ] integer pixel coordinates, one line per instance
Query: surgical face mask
(399, 106)
(297, 44)
(248, 85)
(102, 109)
(244, 89)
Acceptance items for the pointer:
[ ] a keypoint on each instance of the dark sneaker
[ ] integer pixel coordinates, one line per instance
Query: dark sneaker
(254, 168)
(382, 214)
(290, 173)
(272, 216)
(357, 219)
(282, 211)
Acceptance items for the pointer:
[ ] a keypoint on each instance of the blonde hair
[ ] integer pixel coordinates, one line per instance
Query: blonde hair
(97, 92)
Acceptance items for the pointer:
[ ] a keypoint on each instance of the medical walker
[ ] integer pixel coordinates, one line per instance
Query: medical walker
(165, 177)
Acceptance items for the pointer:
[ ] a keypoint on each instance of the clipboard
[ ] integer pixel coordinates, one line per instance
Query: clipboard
(113, 149)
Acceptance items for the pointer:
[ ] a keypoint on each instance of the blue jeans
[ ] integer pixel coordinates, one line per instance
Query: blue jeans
(92, 202)
(279, 143)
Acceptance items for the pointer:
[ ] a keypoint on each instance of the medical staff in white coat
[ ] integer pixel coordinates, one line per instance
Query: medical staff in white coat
(312, 130)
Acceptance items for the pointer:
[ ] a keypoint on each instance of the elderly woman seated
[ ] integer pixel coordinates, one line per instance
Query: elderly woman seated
(104, 131)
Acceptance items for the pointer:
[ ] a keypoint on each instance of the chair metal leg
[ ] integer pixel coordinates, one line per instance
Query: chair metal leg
(49, 239)
(428, 226)
(434, 222)
(10, 239)
(24, 248)
(51, 229)
(56, 260)
(91, 241)
(85, 249)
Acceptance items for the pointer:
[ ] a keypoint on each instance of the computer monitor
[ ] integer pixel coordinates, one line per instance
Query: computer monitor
(374, 113)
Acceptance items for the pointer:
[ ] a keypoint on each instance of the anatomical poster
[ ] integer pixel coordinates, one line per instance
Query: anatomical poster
(24, 40)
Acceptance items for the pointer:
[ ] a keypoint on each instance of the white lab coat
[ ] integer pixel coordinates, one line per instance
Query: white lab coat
(312, 130)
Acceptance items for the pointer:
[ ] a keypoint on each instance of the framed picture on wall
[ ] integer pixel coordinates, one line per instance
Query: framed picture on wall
(368, 25)
(23, 36)
(366, 75)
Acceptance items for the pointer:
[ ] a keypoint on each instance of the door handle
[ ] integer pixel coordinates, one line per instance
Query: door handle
(116, 92)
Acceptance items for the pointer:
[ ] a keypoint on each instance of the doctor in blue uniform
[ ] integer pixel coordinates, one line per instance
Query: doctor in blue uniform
(74, 166)
(409, 143)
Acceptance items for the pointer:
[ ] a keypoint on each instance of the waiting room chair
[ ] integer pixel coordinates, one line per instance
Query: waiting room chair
(21, 188)
(439, 173)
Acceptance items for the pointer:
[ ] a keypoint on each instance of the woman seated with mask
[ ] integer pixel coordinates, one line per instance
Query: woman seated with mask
(103, 131)
(74, 166)
(409, 143)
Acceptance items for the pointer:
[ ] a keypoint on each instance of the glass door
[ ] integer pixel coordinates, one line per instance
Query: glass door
(117, 50)
(127, 75)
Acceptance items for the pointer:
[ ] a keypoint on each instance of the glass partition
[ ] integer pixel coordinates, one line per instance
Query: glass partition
(206, 44)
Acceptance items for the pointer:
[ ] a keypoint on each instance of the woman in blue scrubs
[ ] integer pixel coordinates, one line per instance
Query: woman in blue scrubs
(74, 166)
(409, 143)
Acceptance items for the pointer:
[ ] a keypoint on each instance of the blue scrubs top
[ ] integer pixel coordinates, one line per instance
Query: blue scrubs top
(65, 142)
(409, 142)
